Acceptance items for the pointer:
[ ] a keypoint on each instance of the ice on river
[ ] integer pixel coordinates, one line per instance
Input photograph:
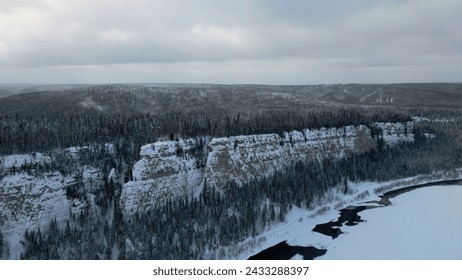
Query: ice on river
(422, 224)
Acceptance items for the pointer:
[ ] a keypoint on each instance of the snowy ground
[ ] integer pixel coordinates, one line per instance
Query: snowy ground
(297, 228)
(422, 224)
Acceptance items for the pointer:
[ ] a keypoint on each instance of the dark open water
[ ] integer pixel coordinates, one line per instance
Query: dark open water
(348, 216)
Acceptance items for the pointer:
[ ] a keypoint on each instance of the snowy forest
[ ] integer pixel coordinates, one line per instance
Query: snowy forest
(208, 224)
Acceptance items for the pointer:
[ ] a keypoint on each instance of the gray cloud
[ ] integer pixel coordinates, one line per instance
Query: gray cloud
(230, 41)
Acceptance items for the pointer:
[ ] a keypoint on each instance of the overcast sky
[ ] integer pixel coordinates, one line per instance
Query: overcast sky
(236, 41)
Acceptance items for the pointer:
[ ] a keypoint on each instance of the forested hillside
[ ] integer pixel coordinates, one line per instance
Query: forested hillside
(78, 148)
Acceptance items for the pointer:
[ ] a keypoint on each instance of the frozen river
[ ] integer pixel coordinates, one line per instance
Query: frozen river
(418, 222)
(425, 223)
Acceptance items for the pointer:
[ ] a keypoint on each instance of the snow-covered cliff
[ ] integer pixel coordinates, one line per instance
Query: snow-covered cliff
(33, 192)
(243, 158)
(166, 169)
(394, 133)
(170, 168)
(32, 195)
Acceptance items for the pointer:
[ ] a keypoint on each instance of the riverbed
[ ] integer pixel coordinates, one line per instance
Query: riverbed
(424, 223)
(418, 222)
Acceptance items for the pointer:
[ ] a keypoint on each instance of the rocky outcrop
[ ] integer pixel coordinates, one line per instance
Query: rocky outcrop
(166, 169)
(172, 168)
(243, 158)
(31, 195)
(28, 202)
(395, 133)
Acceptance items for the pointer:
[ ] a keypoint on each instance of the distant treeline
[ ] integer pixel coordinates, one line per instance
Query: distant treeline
(38, 133)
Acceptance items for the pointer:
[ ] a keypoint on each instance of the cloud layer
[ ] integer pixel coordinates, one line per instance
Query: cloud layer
(240, 41)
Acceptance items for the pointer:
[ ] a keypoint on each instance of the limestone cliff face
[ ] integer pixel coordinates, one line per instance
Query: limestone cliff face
(29, 201)
(171, 168)
(31, 197)
(166, 169)
(242, 158)
(395, 133)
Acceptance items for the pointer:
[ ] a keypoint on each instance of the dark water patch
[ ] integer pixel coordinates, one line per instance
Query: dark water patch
(284, 251)
(385, 198)
(348, 216)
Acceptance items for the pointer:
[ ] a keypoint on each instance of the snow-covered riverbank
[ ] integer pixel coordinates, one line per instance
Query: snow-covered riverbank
(421, 224)
(297, 229)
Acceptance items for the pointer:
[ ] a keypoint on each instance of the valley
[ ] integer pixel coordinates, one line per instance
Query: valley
(196, 172)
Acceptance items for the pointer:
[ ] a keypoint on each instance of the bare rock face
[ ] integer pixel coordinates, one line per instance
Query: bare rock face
(243, 158)
(29, 202)
(395, 133)
(175, 168)
(166, 169)
(31, 197)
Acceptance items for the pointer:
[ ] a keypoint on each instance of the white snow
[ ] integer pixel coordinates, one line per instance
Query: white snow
(422, 224)
(394, 133)
(166, 169)
(18, 160)
(297, 229)
(299, 223)
(30, 199)
(29, 202)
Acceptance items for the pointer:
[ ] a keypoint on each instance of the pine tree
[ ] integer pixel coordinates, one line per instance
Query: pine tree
(345, 185)
(1, 245)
